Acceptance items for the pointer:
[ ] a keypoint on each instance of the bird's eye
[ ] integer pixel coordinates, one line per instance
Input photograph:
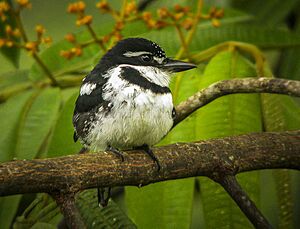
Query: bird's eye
(146, 58)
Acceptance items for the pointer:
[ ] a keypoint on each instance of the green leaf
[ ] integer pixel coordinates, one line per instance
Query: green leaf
(94, 216)
(269, 12)
(62, 141)
(12, 111)
(12, 83)
(262, 36)
(162, 205)
(289, 67)
(43, 226)
(12, 78)
(207, 36)
(36, 123)
(168, 204)
(42, 211)
(13, 53)
(282, 113)
(8, 209)
(229, 115)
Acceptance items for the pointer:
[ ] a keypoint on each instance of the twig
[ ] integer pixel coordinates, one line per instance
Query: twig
(45, 69)
(234, 86)
(96, 39)
(253, 50)
(233, 188)
(39, 61)
(230, 155)
(67, 205)
(192, 31)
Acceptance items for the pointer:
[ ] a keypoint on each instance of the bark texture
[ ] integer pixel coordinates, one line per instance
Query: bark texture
(230, 155)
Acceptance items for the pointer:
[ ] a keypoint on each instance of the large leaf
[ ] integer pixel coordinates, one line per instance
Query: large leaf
(168, 204)
(162, 205)
(269, 12)
(62, 142)
(97, 217)
(42, 211)
(12, 78)
(12, 111)
(36, 123)
(282, 113)
(8, 209)
(208, 36)
(27, 122)
(290, 60)
(12, 83)
(230, 115)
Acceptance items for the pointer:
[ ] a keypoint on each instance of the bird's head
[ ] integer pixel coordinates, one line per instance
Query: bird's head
(142, 52)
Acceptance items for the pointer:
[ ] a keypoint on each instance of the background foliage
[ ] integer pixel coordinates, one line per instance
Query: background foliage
(36, 117)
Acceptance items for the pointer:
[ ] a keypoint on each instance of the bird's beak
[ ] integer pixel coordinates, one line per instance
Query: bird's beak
(177, 65)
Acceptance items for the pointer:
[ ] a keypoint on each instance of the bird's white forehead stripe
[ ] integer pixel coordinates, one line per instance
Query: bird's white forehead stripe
(131, 54)
(87, 88)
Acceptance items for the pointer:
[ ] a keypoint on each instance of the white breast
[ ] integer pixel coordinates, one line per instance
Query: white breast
(137, 117)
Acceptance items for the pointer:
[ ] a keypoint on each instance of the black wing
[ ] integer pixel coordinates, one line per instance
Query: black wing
(86, 105)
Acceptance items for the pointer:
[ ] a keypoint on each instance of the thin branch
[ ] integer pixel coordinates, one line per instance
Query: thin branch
(24, 36)
(234, 86)
(45, 69)
(68, 208)
(253, 50)
(95, 37)
(230, 155)
(230, 184)
(192, 31)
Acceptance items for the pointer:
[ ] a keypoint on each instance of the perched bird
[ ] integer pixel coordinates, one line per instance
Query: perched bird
(125, 101)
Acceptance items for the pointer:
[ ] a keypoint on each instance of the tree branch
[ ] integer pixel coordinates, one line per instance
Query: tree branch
(219, 159)
(67, 205)
(234, 86)
(233, 188)
(230, 155)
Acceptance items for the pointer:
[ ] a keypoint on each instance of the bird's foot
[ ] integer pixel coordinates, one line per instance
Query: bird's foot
(116, 151)
(148, 151)
(102, 200)
(83, 150)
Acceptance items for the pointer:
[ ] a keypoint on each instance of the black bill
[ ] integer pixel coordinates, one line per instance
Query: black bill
(177, 65)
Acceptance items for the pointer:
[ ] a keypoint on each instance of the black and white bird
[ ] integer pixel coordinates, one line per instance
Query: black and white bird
(125, 101)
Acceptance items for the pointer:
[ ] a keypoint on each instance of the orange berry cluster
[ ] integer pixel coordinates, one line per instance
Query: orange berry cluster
(78, 8)
(215, 15)
(24, 3)
(12, 35)
(75, 51)
(33, 46)
(4, 7)
(128, 12)
(103, 6)
(178, 16)
(167, 17)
